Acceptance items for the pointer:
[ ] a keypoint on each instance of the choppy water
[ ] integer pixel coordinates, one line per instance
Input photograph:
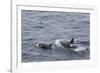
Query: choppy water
(44, 26)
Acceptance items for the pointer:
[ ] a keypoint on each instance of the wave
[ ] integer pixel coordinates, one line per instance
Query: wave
(85, 42)
(84, 22)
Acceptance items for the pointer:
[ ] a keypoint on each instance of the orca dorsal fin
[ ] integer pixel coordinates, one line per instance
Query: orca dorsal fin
(72, 40)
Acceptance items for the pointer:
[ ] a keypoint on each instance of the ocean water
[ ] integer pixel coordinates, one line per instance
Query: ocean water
(47, 26)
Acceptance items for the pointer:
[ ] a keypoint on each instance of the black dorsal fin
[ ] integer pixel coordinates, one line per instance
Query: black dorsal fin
(72, 40)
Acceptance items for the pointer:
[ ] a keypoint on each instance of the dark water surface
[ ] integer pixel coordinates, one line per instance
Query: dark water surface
(44, 26)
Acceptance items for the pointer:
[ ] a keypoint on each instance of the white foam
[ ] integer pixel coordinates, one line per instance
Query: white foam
(79, 49)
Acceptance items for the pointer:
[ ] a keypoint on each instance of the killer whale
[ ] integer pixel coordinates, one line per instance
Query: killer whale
(63, 43)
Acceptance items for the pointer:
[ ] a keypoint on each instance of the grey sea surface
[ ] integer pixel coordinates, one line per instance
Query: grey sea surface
(47, 26)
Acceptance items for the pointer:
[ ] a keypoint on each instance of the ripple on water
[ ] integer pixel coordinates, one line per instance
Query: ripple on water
(44, 26)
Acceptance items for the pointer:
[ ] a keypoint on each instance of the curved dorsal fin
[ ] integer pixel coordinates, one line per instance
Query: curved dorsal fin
(72, 40)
